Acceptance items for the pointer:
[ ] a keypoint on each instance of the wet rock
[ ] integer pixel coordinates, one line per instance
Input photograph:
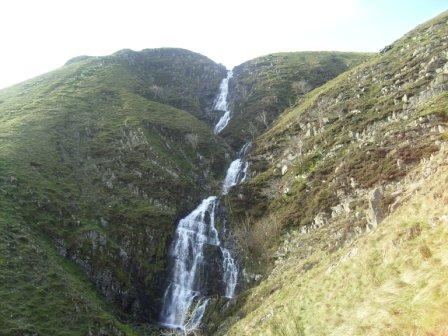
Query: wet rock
(211, 271)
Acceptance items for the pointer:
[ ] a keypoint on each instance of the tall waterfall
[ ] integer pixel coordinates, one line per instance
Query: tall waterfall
(185, 298)
(222, 103)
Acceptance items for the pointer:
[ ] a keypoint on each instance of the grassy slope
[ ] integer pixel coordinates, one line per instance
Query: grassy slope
(392, 281)
(89, 162)
(368, 127)
(267, 85)
(40, 292)
(172, 76)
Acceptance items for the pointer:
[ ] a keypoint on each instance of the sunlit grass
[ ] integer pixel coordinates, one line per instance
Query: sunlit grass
(394, 283)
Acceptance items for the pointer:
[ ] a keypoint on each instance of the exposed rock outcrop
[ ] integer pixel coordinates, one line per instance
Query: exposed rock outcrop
(376, 213)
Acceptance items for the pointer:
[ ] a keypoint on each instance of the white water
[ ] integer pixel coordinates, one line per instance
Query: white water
(237, 171)
(230, 273)
(222, 103)
(233, 175)
(184, 303)
(198, 312)
(192, 233)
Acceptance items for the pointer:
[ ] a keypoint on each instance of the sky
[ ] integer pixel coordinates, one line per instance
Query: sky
(39, 36)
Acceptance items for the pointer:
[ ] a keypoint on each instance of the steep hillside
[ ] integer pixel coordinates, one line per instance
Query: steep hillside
(344, 206)
(40, 293)
(340, 229)
(263, 87)
(176, 77)
(93, 166)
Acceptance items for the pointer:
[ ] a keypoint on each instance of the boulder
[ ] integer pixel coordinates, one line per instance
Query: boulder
(376, 213)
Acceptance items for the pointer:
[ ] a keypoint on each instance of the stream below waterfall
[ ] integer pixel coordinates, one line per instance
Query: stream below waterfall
(185, 298)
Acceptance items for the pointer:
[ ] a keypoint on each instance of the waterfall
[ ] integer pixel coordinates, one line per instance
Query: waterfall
(232, 176)
(185, 299)
(237, 171)
(192, 233)
(230, 273)
(222, 104)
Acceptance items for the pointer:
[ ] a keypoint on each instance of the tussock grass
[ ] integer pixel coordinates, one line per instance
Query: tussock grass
(392, 281)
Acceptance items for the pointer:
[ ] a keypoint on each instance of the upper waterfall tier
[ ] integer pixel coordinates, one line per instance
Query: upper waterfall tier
(222, 104)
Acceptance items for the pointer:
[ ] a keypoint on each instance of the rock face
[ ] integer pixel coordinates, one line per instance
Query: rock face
(213, 275)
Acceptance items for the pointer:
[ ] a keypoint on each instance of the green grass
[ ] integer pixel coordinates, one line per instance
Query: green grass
(390, 282)
(368, 164)
(269, 84)
(86, 151)
(42, 293)
(317, 140)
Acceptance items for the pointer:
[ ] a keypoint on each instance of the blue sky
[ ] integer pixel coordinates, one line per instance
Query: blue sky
(382, 21)
(39, 36)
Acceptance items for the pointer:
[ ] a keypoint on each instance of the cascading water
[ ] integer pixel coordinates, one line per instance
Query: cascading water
(184, 300)
(237, 171)
(222, 104)
(192, 233)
